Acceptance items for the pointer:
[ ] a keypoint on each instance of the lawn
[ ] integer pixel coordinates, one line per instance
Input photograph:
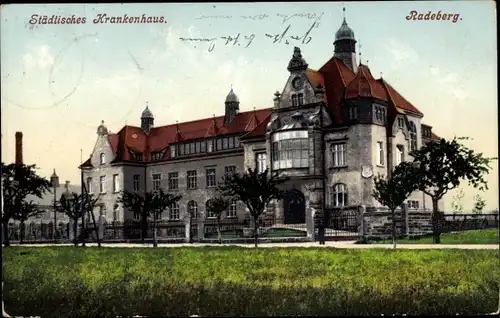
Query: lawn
(489, 236)
(233, 281)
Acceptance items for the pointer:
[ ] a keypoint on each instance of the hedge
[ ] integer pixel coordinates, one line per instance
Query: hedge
(233, 281)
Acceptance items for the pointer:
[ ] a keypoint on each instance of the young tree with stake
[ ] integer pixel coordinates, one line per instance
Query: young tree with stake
(255, 189)
(218, 206)
(442, 165)
(394, 190)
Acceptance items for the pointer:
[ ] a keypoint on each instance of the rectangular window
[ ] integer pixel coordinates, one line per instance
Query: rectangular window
(338, 154)
(173, 181)
(294, 100)
(181, 150)
(211, 180)
(413, 204)
(219, 144)
(192, 148)
(156, 181)
(380, 153)
(174, 212)
(225, 143)
(116, 183)
(102, 158)
(138, 156)
(301, 99)
(236, 142)
(401, 122)
(187, 150)
(155, 156)
(198, 146)
(203, 147)
(261, 162)
(172, 152)
(231, 142)
(89, 185)
(102, 184)
(399, 154)
(231, 211)
(135, 182)
(192, 179)
(229, 170)
(210, 145)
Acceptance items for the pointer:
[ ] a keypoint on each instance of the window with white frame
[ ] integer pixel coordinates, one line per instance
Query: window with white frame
(210, 214)
(261, 162)
(413, 136)
(300, 99)
(172, 151)
(102, 184)
(192, 179)
(156, 181)
(102, 158)
(338, 154)
(380, 153)
(89, 185)
(192, 208)
(174, 212)
(400, 154)
(290, 149)
(116, 183)
(211, 180)
(231, 211)
(338, 195)
(173, 181)
(228, 170)
(135, 182)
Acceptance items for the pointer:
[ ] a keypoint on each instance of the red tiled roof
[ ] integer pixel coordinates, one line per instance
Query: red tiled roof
(336, 76)
(365, 85)
(260, 130)
(397, 100)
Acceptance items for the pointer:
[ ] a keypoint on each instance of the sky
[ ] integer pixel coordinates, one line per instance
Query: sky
(59, 81)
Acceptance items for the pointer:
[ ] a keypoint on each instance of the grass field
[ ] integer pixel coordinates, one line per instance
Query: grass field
(231, 281)
(489, 236)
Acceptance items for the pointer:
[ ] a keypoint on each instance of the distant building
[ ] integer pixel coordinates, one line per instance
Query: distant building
(330, 130)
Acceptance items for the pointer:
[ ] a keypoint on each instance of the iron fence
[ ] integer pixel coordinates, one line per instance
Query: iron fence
(472, 221)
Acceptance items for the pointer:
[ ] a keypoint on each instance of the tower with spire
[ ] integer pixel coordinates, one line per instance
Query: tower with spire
(345, 45)
(232, 107)
(147, 119)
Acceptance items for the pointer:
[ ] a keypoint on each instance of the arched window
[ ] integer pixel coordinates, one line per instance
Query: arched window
(210, 214)
(413, 136)
(102, 158)
(174, 213)
(338, 195)
(192, 208)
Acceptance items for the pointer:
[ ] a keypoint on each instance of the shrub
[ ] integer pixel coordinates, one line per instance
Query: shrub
(230, 281)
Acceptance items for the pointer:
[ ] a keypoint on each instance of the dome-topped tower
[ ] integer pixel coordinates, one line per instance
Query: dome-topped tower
(232, 106)
(147, 119)
(102, 130)
(345, 45)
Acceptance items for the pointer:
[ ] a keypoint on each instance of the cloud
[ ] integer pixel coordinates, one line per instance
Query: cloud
(450, 82)
(401, 53)
(38, 57)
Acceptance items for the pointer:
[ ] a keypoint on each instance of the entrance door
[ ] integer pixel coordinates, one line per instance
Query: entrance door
(294, 206)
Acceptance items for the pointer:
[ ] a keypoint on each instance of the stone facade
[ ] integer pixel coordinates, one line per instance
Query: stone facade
(331, 161)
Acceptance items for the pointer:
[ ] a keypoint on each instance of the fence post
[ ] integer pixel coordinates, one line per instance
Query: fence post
(406, 215)
(201, 226)
(187, 226)
(101, 228)
(71, 234)
(361, 216)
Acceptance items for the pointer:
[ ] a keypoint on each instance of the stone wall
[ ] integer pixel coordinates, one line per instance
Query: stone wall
(377, 222)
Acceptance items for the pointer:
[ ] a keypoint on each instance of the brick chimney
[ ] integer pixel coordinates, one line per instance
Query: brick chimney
(19, 147)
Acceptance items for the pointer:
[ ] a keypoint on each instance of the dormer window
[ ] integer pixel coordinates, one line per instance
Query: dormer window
(301, 99)
(137, 156)
(172, 151)
(353, 112)
(413, 136)
(294, 100)
(102, 158)
(155, 156)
